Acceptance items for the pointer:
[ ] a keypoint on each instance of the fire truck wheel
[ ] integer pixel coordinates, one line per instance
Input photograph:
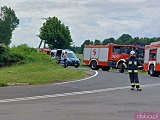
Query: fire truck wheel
(152, 72)
(121, 67)
(121, 70)
(94, 65)
(105, 68)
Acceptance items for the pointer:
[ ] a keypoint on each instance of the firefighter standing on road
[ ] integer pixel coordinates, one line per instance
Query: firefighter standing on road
(133, 64)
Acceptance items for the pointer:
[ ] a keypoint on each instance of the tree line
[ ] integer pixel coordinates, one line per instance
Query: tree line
(123, 39)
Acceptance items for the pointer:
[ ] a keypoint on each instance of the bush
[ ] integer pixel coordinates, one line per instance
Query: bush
(3, 84)
(4, 55)
(25, 54)
(20, 55)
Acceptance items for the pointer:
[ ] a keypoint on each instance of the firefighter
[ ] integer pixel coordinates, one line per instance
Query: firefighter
(133, 64)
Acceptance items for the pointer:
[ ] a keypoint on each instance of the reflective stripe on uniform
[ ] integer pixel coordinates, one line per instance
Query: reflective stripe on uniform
(135, 71)
(125, 65)
(130, 62)
(132, 83)
(129, 71)
(135, 62)
(139, 66)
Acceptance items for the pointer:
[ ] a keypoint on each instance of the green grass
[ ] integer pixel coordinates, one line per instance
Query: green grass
(41, 73)
(38, 73)
(80, 56)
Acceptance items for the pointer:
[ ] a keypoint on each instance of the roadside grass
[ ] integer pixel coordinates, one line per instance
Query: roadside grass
(43, 72)
(82, 64)
(38, 73)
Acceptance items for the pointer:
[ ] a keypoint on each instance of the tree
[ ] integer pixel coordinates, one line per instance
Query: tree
(124, 39)
(55, 34)
(86, 42)
(97, 42)
(4, 52)
(5, 33)
(8, 23)
(109, 40)
(76, 49)
(137, 41)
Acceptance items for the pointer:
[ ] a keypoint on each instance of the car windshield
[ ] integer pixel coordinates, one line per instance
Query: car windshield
(71, 55)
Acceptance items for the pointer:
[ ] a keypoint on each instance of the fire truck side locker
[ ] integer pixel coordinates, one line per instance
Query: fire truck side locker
(157, 67)
(158, 57)
(86, 55)
(96, 57)
(146, 58)
(103, 55)
(152, 65)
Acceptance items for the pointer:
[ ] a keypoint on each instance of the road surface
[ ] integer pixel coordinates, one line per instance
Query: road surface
(105, 96)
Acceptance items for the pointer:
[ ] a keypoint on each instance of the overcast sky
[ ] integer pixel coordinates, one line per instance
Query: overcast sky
(86, 19)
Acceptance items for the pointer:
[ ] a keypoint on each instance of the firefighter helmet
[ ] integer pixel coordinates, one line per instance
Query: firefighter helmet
(132, 53)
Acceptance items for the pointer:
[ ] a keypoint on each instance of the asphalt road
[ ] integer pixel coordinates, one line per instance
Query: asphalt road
(106, 96)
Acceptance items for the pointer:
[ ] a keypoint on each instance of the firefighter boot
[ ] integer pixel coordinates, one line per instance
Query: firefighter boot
(132, 86)
(139, 89)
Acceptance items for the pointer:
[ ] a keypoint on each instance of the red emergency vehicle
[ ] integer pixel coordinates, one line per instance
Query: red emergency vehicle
(46, 50)
(107, 56)
(152, 59)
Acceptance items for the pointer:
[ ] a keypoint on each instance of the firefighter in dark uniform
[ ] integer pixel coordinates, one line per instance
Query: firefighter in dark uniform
(133, 64)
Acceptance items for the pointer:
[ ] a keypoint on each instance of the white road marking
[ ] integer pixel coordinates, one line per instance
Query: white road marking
(96, 73)
(71, 94)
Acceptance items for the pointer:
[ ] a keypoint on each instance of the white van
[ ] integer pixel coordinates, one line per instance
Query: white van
(72, 59)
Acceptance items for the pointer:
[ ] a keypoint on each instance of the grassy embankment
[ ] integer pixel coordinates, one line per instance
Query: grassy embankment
(38, 73)
(41, 73)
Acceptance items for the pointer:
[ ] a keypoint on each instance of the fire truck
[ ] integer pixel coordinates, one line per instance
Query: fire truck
(152, 59)
(44, 49)
(108, 56)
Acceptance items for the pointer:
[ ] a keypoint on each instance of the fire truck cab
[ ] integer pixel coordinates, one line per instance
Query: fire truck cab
(152, 59)
(107, 56)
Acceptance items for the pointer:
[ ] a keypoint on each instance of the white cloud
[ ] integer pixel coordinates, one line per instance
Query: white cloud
(127, 1)
(87, 19)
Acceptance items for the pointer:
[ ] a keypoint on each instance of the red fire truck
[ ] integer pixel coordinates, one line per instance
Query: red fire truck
(152, 59)
(46, 50)
(108, 56)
